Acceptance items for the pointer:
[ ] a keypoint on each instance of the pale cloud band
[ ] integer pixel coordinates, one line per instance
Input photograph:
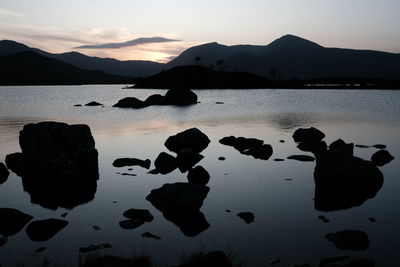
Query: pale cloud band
(135, 42)
(6, 12)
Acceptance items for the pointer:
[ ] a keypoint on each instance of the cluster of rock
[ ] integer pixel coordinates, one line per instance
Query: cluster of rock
(176, 97)
(249, 146)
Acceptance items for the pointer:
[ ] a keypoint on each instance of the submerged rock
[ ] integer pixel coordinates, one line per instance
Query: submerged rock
(165, 163)
(180, 204)
(192, 140)
(381, 158)
(346, 261)
(130, 102)
(92, 248)
(93, 104)
(124, 162)
(180, 97)
(12, 221)
(43, 230)
(349, 240)
(308, 135)
(138, 214)
(301, 158)
(198, 175)
(249, 146)
(4, 173)
(247, 217)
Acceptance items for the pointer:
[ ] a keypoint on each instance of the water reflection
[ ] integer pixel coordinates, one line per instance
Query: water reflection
(290, 121)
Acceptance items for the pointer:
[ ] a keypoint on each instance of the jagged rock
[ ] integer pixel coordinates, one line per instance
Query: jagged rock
(165, 163)
(130, 102)
(153, 100)
(381, 158)
(93, 104)
(12, 221)
(4, 173)
(198, 175)
(150, 235)
(180, 97)
(124, 162)
(180, 204)
(349, 240)
(187, 159)
(16, 163)
(346, 261)
(192, 139)
(247, 217)
(3, 240)
(308, 135)
(43, 230)
(92, 248)
(301, 157)
(259, 152)
(341, 147)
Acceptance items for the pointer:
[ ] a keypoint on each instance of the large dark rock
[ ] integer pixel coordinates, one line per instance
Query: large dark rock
(153, 100)
(308, 135)
(58, 164)
(346, 261)
(12, 221)
(180, 204)
(198, 175)
(4, 173)
(381, 157)
(124, 162)
(165, 163)
(180, 97)
(192, 140)
(130, 102)
(349, 240)
(43, 230)
(187, 159)
(259, 152)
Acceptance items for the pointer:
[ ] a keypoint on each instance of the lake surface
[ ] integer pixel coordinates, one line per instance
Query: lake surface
(280, 194)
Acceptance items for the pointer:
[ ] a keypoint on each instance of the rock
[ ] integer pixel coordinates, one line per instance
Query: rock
(192, 139)
(188, 159)
(198, 175)
(228, 210)
(379, 146)
(301, 157)
(130, 224)
(77, 105)
(40, 250)
(124, 162)
(180, 204)
(219, 103)
(341, 147)
(372, 219)
(221, 158)
(92, 248)
(242, 143)
(64, 214)
(43, 230)
(16, 163)
(281, 141)
(180, 97)
(312, 146)
(381, 158)
(153, 100)
(247, 217)
(93, 103)
(228, 140)
(346, 261)
(4, 173)
(138, 214)
(165, 163)
(278, 159)
(361, 146)
(307, 135)
(3, 240)
(127, 174)
(150, 235)
(12, 221)
(130, 102)
(349, 240)
(96, 227)
(259, 152)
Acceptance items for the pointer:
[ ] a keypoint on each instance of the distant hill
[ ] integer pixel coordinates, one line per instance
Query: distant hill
(130, 68)
(198, 77)
(293, 57)
(30, 68)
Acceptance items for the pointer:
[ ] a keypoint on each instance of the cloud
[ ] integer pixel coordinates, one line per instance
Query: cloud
(6, 12)
(135, 42)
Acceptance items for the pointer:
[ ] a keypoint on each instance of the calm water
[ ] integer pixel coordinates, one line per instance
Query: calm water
(286, 224)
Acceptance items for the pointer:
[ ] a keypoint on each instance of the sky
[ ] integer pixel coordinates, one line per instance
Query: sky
(159, 30)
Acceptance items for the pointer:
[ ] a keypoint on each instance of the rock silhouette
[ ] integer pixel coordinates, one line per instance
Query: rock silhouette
(198, 175)
(249, 146)
(137, 217)
(247, 217)
(130, 102)
(12, 221)
(124, 162)
(308, 135)
(165, 163)
(301, 158)
(187, 159)
(180, 204)
(381, 158)
(44, 230)
(93, 104)
(58, 164)
(192, 140)
(4, 173)
(349, 240)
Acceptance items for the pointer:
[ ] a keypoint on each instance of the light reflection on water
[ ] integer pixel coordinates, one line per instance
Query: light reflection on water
(286, 223)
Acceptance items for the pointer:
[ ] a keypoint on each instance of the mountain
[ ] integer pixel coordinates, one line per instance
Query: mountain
(130, 68)
(30, 68)
(292, 57)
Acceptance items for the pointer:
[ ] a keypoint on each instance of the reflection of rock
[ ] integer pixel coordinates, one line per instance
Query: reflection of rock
(43, 230)
(301, 158)
(165, 163)
(190, 140)
(381, 157)
(136, 217)
(346, 261)
(3, 173)
(12, 221)
(124, 162)
(198, 175)
(349, 240)
(180, 204)
(343, 181)
(247, 217)
(58, 164)
(130, 102)
(180, 97)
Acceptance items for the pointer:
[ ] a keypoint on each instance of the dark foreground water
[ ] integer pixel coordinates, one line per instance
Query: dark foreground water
(280, 194)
